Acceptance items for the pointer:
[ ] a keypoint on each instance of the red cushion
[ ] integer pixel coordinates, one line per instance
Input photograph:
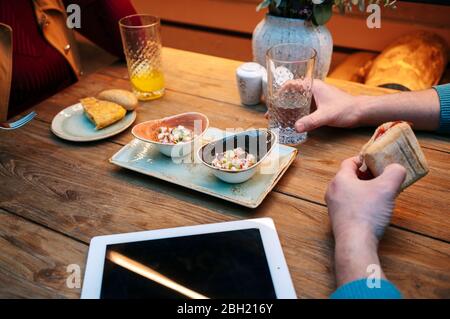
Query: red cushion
(39, 70)
(100, 22)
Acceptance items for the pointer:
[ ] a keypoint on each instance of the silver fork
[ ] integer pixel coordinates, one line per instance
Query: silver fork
(19, 123)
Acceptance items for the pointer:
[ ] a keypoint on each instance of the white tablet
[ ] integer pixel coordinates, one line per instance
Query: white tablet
(239, 259)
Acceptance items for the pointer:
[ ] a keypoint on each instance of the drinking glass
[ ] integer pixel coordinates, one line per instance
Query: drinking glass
(141, 39)
(290, 69)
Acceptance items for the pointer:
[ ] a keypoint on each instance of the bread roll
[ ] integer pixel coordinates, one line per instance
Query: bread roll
(125, 98)
(415, 62)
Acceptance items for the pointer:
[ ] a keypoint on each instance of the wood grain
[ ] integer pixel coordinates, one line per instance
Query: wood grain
(34, 260)
(214, 79)
(423, 207)
(319, 157)
(72, 188)
(173, 102)
(185, 70)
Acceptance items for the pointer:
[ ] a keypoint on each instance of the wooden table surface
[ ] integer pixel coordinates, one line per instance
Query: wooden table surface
(56, 195)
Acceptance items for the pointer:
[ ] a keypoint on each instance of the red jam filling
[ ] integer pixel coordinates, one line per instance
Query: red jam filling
(383, 130)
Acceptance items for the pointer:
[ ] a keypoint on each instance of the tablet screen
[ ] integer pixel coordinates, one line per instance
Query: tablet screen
(229, 264)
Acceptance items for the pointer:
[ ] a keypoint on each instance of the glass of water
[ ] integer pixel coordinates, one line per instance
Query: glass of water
(290, 70)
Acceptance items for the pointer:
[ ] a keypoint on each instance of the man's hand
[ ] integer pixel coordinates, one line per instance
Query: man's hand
(354, 203)
(339, 109)
(359, 211)
(334, 108)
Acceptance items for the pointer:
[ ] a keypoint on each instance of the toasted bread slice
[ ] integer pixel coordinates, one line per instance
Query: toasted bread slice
(395, 142)
(102, 113)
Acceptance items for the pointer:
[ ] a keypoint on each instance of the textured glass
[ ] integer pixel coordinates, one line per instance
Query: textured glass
(290, 69)
(142, 46)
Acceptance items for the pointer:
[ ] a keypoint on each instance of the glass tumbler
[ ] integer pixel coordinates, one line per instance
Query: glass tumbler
(141, 39)
(290, 70)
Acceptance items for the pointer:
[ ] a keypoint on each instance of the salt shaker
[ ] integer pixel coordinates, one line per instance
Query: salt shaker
(249, 80)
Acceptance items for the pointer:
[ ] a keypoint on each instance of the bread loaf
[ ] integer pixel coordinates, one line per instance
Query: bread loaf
(415, 62)
(125, 98)
(354, 67)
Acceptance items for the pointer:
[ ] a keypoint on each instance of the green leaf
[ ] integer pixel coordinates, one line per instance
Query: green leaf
(263, 5)
(322, 13)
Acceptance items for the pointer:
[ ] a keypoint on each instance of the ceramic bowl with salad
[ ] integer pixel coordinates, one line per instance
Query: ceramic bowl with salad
(236, 158)
(174, 136)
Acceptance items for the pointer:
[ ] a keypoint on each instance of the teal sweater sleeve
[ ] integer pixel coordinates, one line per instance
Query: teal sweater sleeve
(444, 98)
(359, 289)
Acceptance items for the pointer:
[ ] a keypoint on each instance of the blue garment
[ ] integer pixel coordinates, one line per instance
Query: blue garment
(359, 289)
(444, 98)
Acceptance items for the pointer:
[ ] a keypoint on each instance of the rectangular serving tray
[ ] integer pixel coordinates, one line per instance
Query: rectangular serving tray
(189, 172)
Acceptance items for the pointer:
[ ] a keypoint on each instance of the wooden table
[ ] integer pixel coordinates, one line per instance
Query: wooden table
(56, 195)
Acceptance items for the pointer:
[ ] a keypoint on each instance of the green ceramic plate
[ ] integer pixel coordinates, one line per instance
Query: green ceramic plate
(71, 124)
(189, 172)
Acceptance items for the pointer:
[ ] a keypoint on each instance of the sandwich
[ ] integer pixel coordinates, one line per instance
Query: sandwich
(394, 142)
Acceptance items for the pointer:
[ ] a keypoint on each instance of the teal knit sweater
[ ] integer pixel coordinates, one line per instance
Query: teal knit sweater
(359, 289)
(444, 98)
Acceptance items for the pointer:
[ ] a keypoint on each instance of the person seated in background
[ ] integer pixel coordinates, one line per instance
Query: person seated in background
(43, 57)
(360, 210)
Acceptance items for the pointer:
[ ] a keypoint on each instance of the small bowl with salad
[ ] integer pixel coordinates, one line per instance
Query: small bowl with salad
(236, 158)
(174, 136)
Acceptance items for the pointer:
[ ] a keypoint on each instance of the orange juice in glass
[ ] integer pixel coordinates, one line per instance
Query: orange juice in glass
(141, 38)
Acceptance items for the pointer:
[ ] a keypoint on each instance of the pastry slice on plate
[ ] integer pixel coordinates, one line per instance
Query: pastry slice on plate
(102, 113)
